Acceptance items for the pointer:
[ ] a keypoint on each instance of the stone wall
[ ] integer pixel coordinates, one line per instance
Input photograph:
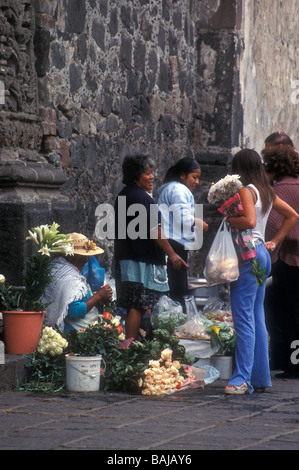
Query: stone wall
(134, 76)
(88, 82)
(270, 70)
(30, 186)
(100, 79)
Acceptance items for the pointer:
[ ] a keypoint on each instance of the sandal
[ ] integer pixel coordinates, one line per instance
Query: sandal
(236, 389)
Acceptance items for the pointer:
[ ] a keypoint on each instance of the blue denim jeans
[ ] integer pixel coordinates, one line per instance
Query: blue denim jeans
(247, 303)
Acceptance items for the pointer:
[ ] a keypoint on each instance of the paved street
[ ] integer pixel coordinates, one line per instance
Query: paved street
(200, 419)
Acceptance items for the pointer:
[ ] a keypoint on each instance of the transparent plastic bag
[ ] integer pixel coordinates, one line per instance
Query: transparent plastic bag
(191, 307)
(167, 314)
(216, 310)
(195, 325)
(222, 263)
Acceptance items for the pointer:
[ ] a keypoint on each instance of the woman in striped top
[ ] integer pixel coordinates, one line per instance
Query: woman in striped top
(281, 162)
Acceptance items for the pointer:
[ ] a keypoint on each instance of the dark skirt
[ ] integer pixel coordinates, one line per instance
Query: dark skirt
(134, 295)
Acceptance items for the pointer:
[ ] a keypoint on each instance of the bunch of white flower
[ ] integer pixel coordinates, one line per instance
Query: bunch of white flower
(51, 342)
(224, 189)
(49, 240)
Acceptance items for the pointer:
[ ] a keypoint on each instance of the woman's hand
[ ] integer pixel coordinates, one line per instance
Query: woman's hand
(177, 261)
(201, 225)
(103, 295)
(270, 246)
(100, 297)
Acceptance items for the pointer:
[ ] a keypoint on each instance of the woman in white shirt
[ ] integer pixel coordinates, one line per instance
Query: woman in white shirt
(247, 298)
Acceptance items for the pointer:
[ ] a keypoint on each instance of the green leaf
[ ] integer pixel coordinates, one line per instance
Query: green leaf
(257, 271)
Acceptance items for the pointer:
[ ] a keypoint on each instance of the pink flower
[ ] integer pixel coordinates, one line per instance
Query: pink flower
(126, 343)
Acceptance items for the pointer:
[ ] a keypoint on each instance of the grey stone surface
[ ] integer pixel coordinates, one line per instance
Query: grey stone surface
(191, 420)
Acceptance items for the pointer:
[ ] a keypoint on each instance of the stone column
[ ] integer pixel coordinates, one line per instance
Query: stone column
(30, 186)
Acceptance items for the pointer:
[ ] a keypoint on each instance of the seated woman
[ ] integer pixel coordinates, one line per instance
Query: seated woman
(72, 305)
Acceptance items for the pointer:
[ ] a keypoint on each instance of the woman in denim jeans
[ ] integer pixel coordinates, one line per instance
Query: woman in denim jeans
(247, 298)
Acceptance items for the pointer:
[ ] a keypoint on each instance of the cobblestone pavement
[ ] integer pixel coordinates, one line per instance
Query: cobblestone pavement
(199, 419)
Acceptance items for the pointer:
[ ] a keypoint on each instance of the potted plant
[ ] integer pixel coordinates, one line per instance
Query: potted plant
(223, 337)
(22, 309)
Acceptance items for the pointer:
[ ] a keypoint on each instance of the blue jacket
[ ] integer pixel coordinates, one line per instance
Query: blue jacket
(176, 204)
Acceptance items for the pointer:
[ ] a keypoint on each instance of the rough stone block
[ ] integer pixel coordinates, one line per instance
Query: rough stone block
(50, 144)
(48, 114)
(48, 128)
(12, 372)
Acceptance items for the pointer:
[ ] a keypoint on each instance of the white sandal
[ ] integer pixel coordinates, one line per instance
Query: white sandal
(236, 389)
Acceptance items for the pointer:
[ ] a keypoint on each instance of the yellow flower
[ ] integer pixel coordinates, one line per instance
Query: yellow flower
(216, 329)
(91, 245)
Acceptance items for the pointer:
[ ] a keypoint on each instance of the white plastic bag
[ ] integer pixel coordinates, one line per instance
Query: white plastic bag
(222, 261)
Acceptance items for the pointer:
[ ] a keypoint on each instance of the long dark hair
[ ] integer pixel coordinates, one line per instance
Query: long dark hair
(184, 166)
(248, 164)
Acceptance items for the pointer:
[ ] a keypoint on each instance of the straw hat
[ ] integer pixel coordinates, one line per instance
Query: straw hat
(83, 246)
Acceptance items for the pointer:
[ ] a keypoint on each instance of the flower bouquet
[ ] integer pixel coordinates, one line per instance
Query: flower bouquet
(224, 190)
(225, 195)
(223, 337)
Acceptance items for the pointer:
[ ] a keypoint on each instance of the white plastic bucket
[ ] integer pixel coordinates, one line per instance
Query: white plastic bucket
(83, 374)
(224, 364)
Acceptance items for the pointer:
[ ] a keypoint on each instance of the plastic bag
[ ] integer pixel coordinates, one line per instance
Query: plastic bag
(94, 274)
(222, 261)
(167, 314)
(191, 308)
(194, 327)
(215, 310)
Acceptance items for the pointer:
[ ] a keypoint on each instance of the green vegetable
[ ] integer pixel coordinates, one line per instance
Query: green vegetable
(161, 334)
(173, 341)
(189, 358)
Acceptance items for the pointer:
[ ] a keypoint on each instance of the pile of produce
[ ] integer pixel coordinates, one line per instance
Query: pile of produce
(220, 315)
(162, 375)
(192, 329)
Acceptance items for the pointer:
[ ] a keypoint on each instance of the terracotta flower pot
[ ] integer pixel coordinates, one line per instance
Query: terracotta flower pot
(22, 331)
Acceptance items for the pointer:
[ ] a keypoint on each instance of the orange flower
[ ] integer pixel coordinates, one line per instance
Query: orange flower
(106, 316)
(119, 329)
